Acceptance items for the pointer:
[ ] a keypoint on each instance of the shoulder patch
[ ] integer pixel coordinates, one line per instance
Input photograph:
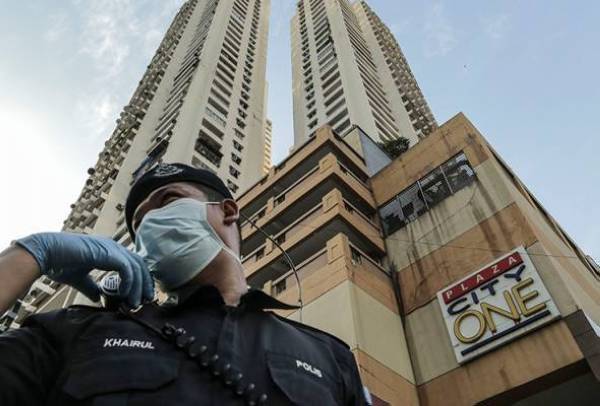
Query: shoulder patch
(312, 329)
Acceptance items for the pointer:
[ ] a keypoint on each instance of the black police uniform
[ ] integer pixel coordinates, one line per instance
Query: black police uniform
(198, 351)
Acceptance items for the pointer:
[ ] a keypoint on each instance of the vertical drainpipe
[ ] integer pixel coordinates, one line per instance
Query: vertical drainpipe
(395, 281)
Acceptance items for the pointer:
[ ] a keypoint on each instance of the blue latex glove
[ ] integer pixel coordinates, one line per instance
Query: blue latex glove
(69, 258)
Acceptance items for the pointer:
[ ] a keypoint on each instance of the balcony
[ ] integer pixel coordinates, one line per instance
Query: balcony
(337, 261)
(309, 233)
(297, 165)
(305, 194)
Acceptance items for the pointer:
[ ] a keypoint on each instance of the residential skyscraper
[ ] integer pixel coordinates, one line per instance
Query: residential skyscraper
(395, 74)
(201, 101)
(347, 69)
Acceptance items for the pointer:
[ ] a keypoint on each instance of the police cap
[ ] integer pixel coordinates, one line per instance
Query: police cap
(163, 174)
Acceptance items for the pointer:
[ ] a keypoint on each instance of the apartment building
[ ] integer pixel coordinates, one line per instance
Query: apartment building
(341, 75)
(446, 277)
(201, 101)
(395, 73)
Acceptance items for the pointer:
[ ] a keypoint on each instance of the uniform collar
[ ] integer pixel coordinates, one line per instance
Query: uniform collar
(207, 295)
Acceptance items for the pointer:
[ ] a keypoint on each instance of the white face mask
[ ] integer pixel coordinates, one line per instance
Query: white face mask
(177, 242)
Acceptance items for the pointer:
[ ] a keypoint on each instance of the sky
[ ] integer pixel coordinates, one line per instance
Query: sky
(525, 73)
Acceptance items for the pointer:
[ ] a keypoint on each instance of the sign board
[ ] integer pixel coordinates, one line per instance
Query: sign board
(501, 301)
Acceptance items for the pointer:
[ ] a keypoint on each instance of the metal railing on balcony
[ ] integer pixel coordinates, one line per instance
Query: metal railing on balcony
(306, 268)
(359, 257)
(283, 235)
(356, 211)
(215, 116)
(350, 173)
(281, 197)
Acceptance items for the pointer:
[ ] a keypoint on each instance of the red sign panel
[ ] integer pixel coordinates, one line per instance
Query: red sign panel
(481, 277)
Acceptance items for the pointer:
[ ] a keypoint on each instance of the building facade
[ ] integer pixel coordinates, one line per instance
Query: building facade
(347, 69)
(446, 277)
(268, 146)
(201, 101)
(395, 74)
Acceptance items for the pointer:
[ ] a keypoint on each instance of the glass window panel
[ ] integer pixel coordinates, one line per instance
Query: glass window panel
(392, 217)
(450, 177)
(412, 203)
(458, 172)
(434, 187)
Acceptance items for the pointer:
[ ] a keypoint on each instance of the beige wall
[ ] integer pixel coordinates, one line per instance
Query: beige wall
(534, 356)
(365, 324)
(464, 232)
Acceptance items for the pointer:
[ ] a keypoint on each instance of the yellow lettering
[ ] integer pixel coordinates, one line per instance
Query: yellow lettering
(512, 312)
(458, 332)
(522, 299)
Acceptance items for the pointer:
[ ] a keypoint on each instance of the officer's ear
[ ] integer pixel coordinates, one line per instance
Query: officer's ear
(231, 211)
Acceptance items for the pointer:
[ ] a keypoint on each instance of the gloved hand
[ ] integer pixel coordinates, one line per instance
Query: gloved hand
(69, 258)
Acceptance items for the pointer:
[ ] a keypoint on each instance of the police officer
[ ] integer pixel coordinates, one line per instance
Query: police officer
(213, 341)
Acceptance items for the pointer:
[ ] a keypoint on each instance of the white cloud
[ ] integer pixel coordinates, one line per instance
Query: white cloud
(440, 36)
(58, 27)
(497, 26)
(45, 149)
(98, 114)
(119, 36)
(108, 26)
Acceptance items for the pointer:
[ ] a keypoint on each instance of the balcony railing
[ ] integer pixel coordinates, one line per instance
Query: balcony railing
(281, 197)
(286, 281)
(348, 172)
(216, 117)
(306, 178)
(361, 258)
(285, 233)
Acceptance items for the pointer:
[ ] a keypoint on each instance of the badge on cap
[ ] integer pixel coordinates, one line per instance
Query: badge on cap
(163, 170)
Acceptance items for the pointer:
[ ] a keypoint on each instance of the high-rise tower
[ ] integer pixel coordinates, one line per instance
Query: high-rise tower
(395, 74)
(201, 101)
(342, 76)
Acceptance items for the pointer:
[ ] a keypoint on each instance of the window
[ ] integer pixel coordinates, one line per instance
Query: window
(232, 186)
(260, 253)
(445, 180)
(356, 257)
(279, 200)
(279, 287)
(434, 187)
(458, 172)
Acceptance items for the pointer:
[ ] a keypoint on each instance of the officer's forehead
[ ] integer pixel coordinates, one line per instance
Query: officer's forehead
(189, 189)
